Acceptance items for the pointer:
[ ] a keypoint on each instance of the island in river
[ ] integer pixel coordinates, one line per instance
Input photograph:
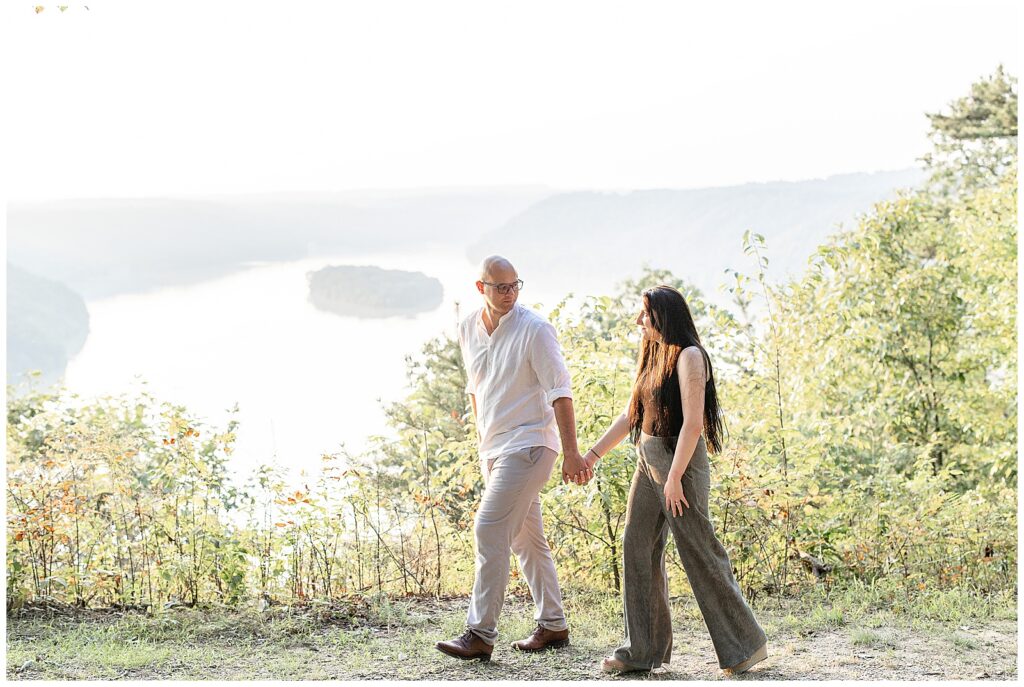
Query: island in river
(370, 292)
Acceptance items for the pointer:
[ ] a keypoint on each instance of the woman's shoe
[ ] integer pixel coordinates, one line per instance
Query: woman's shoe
(610, 664)
(754, 659)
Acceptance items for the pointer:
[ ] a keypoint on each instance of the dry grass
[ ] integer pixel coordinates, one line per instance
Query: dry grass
(839, 638)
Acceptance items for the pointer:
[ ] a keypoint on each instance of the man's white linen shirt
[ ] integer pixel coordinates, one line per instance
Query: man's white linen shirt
(516, 373)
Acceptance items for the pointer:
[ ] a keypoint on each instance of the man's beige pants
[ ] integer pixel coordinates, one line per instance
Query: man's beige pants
(509, 520)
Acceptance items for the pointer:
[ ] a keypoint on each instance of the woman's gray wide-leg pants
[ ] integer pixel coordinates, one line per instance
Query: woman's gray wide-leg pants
(734, 631)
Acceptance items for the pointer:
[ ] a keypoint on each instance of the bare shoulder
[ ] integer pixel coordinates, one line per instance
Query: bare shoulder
(691, 363)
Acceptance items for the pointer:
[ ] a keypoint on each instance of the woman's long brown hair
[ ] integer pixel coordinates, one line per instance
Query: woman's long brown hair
(656, 365)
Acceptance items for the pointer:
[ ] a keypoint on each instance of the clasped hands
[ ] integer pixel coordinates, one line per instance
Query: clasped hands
(576, 468)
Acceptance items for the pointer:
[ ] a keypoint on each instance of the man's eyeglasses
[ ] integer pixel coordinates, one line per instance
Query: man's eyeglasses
(505, 289)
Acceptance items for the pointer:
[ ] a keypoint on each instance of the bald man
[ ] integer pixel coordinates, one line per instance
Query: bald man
(520, 392)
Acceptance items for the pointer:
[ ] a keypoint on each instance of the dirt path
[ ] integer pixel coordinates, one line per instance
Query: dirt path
(903, 654)
(197, 645)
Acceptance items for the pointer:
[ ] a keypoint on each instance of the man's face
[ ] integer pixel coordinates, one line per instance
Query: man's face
(503, 278)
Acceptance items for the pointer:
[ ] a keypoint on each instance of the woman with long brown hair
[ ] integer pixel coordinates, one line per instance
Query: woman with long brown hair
(673, 418)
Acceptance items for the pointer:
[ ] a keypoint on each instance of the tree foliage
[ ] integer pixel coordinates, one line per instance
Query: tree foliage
(975, 142)
(870, 407)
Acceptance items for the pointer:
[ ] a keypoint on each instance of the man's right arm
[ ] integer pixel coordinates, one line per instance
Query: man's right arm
(469, 382)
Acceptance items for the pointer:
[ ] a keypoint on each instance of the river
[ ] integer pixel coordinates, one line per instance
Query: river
(306, 381)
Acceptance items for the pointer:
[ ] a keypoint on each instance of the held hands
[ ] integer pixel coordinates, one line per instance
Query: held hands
(575, 469)
(674, 499)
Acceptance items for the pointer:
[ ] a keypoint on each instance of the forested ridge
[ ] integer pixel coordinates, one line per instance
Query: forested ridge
(870, 407)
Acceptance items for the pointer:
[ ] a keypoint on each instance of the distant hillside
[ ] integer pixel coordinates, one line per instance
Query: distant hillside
(581, 242)
(106, 247)
(372, 292)
(47, 323)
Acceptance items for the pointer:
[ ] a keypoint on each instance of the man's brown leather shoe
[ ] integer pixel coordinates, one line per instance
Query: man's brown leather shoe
(543, 638)
(468, 646)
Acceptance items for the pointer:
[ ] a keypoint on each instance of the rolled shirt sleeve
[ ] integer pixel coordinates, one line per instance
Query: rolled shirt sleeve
(548, 364)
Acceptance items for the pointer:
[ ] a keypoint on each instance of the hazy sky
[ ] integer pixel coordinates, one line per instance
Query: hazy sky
(161, 98)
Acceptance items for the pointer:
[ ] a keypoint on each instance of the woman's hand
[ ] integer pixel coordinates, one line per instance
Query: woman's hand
(674, 499)
(574, 468)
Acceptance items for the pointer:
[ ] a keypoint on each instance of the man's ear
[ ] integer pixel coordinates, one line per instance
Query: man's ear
(480, 286)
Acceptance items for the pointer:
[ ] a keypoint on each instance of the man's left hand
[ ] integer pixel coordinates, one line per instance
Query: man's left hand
(575, 469)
